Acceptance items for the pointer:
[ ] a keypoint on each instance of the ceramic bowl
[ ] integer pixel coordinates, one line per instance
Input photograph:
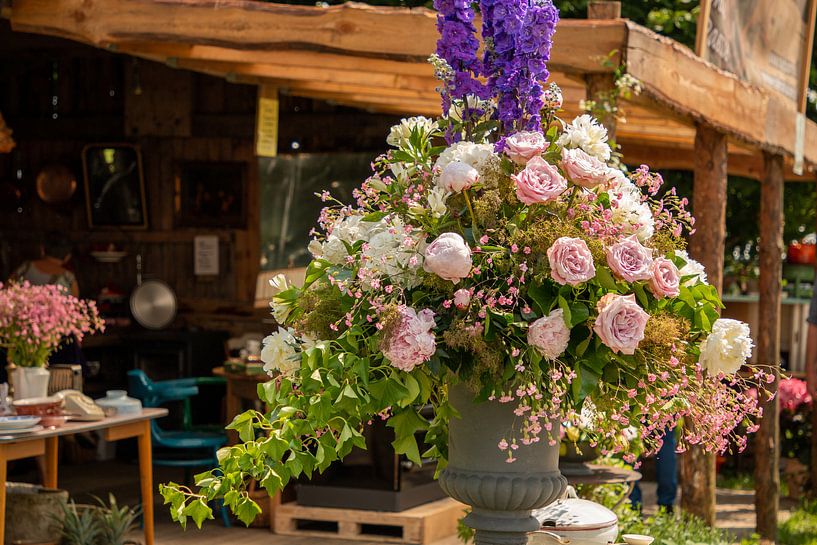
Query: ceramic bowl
(637, 539)
(18, 422)
(37, 406)
(53, 420)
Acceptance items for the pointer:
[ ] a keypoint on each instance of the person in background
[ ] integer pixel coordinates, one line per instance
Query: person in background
(666, 473)
(50, 268)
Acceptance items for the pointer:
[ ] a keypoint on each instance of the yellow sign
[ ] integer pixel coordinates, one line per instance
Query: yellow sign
(266, 122)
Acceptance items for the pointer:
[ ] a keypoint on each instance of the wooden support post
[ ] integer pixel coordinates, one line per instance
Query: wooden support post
(767, 450)
(601, 85)
(706, 246)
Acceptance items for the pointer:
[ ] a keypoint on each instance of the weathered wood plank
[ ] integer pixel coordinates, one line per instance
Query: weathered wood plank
(767, 451)
(706, 245)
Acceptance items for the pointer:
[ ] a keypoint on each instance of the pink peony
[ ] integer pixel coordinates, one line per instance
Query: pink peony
(523, 146)
(620, 323)
(412, 341)
(585, 170)
(665, 280)
(539, 182)
(449, 257)
(630, 260)
(462, 298)
(457, 176)
(570, 261)
(549, 335)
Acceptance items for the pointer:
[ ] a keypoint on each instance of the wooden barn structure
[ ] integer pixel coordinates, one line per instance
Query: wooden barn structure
(689, 115)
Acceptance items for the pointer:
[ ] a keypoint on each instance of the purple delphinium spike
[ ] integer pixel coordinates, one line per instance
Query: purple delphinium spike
(518, 36)
(458, 46)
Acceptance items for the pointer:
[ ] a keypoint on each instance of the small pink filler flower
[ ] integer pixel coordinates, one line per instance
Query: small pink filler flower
(620, 323)
(539, 182)
(412, 341)
(570, 261)
(549, 335)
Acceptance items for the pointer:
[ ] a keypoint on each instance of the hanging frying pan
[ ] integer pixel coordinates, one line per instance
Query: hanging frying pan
(152, 303)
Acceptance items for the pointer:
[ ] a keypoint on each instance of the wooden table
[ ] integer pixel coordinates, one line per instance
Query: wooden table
(46, 442)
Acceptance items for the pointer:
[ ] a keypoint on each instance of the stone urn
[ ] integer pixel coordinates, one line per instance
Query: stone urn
(502, 495)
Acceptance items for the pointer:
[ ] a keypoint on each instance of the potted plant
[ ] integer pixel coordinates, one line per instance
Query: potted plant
(498, 267)
(34, 320)
(98, 524)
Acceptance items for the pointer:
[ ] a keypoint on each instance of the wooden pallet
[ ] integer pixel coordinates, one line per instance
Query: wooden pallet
(420, 525)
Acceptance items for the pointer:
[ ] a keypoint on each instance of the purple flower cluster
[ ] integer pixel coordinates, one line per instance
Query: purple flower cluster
(518, 35)
(458, 46)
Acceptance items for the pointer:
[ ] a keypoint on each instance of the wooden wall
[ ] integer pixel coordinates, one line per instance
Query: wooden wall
(173, 115)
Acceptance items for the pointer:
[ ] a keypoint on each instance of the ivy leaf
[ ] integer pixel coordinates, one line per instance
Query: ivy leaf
(406, 424)
(199, 511)
(413, 388)
(246, 510)
(408, 445)
(243, 424)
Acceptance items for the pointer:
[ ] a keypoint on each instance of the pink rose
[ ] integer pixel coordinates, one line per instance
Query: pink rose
(449, 257)
(620, 323)
(412, 341)
(570, 261)
(630, 260)
(457, 176)
(539, 182)
(665, 280)
(462, 298)
(549, 335)
(585, 170)
(523, 146)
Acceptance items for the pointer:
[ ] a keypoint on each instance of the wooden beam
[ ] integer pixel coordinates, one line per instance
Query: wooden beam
(674, 76)
(354, 28)
(767, 451)
(706, 246)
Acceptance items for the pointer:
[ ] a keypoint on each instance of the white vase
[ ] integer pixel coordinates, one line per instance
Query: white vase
(30, 382)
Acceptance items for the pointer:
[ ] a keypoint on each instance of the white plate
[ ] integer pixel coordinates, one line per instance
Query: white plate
(17, 422)
(20, 432)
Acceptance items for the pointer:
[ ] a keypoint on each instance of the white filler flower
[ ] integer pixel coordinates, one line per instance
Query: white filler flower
(280, 353)
(727, 348)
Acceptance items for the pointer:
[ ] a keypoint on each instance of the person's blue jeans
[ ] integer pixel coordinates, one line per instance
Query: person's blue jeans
(666, 468)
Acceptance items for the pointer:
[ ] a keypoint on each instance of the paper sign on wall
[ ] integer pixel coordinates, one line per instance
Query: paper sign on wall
(205, 255)
(266, 122)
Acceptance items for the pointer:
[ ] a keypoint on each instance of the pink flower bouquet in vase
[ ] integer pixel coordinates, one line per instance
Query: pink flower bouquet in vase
(499, 267)
(34, 321)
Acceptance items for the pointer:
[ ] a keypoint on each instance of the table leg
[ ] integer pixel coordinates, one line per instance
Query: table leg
(51, 457)
(2, 493)
(146, 481)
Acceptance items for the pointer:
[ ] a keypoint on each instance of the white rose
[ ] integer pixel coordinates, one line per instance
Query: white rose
(727, 348)
(334, 250)
(692, 268)
(280, 309)
(457, 176)
(436, 201)
(399, 134)
(280, 353)
(586, 133)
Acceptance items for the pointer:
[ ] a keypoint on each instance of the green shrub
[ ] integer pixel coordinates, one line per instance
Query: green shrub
(801, 526)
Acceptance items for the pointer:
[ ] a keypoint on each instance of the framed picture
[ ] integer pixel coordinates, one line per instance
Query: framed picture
(114, 186)
(211, 194)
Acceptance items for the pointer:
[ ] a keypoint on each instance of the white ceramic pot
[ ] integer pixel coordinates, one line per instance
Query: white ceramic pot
(581, 522)
(30, 382)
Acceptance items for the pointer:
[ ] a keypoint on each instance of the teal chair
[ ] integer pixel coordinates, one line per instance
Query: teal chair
(189, 448)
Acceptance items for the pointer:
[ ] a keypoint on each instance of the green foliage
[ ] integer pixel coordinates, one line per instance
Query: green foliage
(801, 527)
(115, 522)
(97, 525)
(80, 526)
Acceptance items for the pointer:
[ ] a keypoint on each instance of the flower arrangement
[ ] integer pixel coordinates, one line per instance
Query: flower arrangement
(34, 320)
(494, 247)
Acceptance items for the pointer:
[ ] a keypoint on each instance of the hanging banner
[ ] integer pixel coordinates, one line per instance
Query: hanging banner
(764, 42)
(266, 122)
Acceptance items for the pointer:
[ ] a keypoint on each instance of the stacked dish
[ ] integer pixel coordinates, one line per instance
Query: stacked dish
(19, 425)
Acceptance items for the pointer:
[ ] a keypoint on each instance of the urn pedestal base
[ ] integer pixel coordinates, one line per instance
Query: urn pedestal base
(502, 495)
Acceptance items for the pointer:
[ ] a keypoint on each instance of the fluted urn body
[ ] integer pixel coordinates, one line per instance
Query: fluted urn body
(501, 494)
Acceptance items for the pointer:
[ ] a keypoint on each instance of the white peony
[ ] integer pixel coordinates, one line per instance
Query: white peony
(586, 133)
(475, 155)
(727, 348)
(629, 210)
(436, 201)
(280, 353)
(692, 268)
(399, 134)
(457, 176)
